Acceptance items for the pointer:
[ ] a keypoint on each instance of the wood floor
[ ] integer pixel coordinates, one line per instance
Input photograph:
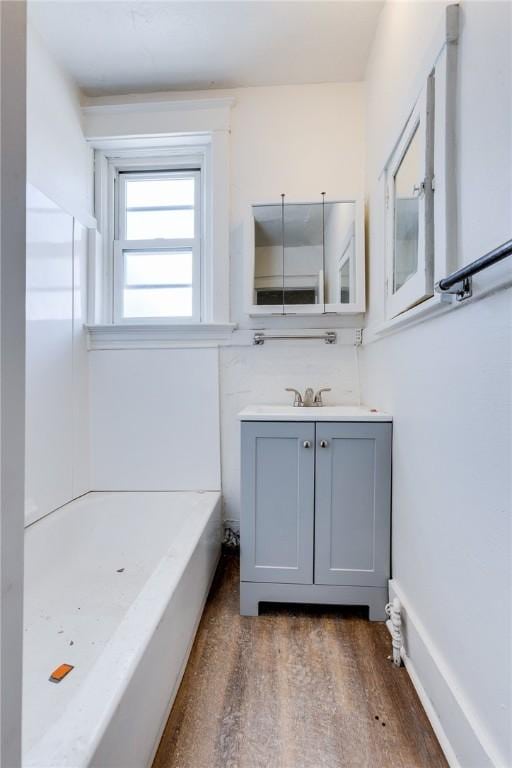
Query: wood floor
(296, 687)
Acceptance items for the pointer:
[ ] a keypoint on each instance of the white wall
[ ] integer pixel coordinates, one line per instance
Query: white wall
(59, 202)
(59, 161)
(300, 140)
(447, 383)
(49, 390)
(155, 420)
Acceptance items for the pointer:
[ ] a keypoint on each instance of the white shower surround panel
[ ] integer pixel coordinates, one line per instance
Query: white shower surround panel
(122, 607)
(155, 419)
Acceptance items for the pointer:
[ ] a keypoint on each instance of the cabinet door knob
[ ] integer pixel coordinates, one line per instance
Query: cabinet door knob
(306, 444)
(323, 443)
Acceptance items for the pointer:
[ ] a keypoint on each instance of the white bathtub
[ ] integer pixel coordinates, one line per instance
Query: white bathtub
(127, 632)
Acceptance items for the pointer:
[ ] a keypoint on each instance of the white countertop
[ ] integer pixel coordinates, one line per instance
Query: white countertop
(324, 413)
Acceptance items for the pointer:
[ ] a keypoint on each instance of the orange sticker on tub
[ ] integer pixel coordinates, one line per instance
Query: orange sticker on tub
(60, 673)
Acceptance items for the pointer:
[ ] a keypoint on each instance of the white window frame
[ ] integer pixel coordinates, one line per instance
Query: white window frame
(210, 154)
(121, 245)
(419, 286)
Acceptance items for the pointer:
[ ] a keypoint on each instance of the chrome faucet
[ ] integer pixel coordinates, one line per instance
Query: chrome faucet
(310, 399)
(297, 402)
(318, 397)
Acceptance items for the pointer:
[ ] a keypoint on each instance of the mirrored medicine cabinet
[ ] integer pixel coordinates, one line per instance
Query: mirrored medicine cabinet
(306, 258)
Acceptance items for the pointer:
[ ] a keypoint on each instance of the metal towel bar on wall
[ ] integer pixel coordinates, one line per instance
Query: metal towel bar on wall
(329, 337)
(459, 282)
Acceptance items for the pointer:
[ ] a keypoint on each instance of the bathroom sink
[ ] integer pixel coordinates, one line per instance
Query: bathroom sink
(325, 413)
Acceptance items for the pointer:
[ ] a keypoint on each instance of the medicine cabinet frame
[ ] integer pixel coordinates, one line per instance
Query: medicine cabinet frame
(355, 238)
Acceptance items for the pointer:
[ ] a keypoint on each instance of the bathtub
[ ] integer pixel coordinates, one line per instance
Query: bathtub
(115, 584)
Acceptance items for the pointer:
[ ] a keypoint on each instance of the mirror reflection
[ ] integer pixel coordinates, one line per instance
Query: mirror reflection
(269, 255)
(407, 186)
(340, 253)
(304, 255)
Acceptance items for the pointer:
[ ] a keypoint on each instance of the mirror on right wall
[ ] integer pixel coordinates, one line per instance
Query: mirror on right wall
(307, 258)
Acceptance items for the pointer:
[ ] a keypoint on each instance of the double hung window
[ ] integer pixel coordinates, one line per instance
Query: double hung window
(157, 246)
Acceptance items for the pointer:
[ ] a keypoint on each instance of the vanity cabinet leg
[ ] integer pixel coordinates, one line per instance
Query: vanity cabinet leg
(249, 604)
(377, 607)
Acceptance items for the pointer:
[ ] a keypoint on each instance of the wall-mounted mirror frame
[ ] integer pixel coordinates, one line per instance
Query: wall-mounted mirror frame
(346, 264)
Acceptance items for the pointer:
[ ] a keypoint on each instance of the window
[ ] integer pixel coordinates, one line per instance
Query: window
(409, 204)
(157, 246)
(159, 255)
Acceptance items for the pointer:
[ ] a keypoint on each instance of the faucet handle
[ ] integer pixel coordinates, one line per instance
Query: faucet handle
(298, 397)
(318, 396)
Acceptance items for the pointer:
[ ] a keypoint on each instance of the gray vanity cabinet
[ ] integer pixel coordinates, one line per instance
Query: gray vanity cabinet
(352, 504)
(278, 499)
(315, 521)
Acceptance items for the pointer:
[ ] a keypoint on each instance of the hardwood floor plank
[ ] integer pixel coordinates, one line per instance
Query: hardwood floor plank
(296, 687)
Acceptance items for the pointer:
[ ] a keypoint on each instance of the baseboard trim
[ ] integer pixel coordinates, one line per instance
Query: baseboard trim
(431, 713)
(462, 737)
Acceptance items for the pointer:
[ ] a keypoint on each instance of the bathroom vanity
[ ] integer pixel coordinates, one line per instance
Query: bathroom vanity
(316, 498)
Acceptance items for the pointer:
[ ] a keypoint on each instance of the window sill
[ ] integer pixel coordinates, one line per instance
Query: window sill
(484, 285)
(145, 336)
(432, 307)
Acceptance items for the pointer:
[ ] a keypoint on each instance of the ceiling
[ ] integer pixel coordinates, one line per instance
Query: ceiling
(122, 47)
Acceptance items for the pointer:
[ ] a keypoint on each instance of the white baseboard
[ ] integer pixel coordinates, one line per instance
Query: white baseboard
(431, 713)
(463, 738)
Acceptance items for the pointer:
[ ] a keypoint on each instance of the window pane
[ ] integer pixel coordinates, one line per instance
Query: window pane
(155, 193)
(147, 225)
(407, 184)
(157, 268)
(157, 302)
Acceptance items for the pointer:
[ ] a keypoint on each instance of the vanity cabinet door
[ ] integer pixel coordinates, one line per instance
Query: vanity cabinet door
(353, 495)
(276, 527)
